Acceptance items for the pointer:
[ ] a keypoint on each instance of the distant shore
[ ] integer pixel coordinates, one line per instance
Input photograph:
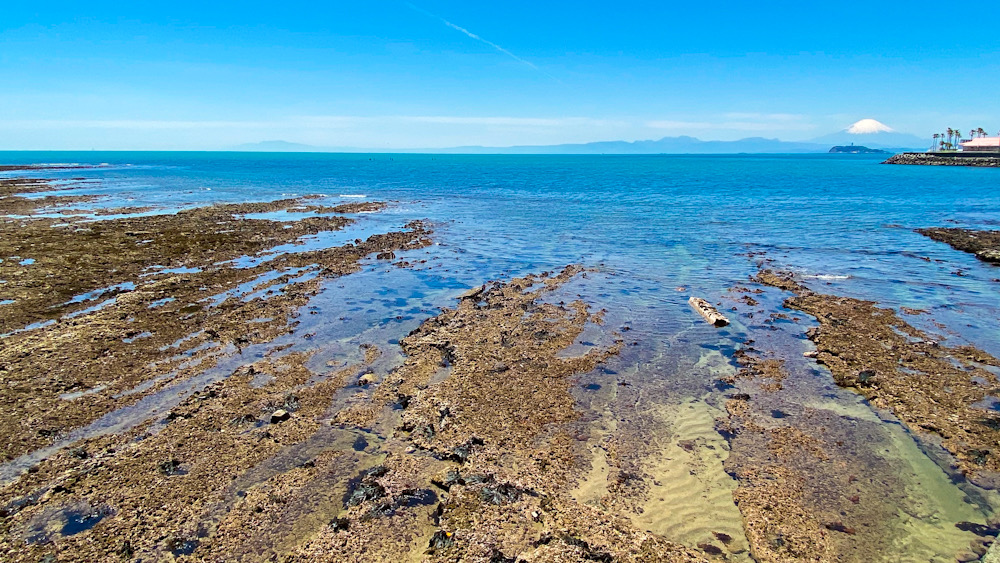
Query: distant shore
(948, 159)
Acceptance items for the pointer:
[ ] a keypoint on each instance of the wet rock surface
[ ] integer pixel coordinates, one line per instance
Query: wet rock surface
(477, 465)
(494, 439)
(821, 475)
(802, 491)
(985, 245)
(165, 302)
(521, 425)
(936, 390)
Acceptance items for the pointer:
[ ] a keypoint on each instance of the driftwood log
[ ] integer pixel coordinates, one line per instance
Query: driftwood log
(708, 311)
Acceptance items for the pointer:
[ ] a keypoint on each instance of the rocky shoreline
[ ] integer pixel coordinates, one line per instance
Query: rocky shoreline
(933, 389)
(984, 245)
(424, 463)
(930, 159)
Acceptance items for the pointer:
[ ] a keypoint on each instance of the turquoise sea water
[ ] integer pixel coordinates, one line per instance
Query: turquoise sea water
(647, 225)
(657, 221)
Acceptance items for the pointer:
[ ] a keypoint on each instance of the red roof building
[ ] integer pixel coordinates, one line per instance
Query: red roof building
(982, 144)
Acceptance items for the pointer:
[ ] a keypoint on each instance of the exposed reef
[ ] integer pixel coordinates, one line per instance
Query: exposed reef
(934, 389)
(100, 314)
(474, 465)
(985, 245)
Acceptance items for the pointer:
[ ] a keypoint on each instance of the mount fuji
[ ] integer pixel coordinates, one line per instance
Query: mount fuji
(873, 134)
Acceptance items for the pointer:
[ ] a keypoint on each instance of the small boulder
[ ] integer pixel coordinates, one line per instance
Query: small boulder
(989, 255)
(280, 415)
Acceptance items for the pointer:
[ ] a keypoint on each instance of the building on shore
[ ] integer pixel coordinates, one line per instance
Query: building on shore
(982, 144)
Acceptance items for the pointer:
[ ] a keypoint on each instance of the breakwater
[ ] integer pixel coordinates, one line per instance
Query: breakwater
(945, 159)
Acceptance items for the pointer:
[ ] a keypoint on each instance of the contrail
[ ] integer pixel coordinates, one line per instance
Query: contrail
(490, 43)
(478, 38)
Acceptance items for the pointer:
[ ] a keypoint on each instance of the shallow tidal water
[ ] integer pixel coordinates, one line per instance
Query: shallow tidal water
(646, 226)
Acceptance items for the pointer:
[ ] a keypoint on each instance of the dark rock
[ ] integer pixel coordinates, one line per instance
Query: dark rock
(366, 487)
(280, 415)
(866, 378)
(978, 529)
(340, 524)
(840, 527)
(710, 549)
(441, 540)
(178, 546)
(499, 557)
(499, 494)
(359, 444)
(723, 537)
(126, 550)
(171, 467)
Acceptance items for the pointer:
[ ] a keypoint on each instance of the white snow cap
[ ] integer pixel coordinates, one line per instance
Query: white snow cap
(869, 126)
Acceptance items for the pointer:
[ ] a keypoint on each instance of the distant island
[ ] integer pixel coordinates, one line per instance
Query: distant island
(856, 149)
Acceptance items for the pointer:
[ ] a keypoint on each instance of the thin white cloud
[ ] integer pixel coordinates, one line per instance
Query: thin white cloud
(128, 124)
(478, 38)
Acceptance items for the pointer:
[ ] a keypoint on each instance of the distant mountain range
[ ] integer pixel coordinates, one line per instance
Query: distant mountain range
(867, 132)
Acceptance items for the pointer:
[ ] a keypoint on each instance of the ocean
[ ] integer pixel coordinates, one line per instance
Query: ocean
(652, 231)
(659, 221)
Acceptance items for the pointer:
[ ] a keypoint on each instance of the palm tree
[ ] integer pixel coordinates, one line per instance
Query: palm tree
(935, 143)
(951, 133)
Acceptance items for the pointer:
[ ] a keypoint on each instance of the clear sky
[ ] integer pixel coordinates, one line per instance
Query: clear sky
(392, 74)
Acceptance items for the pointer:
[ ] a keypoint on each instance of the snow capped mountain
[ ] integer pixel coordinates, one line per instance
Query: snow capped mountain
(866, 126)
(874, 134)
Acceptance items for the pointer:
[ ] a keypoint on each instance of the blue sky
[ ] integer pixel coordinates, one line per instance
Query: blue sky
(390, 74)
